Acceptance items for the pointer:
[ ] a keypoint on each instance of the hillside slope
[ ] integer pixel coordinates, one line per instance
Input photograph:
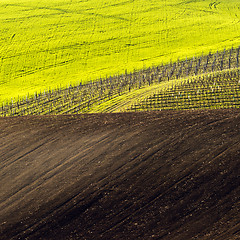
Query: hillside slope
(159, 175)
(48, 44)
(210, 81)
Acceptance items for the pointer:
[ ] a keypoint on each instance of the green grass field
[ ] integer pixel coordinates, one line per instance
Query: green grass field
(46, 44)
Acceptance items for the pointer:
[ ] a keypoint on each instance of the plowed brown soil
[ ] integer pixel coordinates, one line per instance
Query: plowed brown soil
(155, 175)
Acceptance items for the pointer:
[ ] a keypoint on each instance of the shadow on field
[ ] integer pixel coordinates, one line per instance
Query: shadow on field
(149, 175)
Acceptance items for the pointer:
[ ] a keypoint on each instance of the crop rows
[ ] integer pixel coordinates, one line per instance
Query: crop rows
(80, 98)
(219, 90)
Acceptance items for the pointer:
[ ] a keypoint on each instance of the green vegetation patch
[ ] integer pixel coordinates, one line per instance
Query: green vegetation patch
(50, 44)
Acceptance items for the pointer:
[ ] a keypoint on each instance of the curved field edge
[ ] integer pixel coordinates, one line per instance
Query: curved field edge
(170, 175)
(134, 100)
(119, 92)
(53, 44)
(210, 91)
(127, 100)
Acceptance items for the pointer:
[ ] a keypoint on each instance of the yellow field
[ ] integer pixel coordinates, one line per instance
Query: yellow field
(46, 44)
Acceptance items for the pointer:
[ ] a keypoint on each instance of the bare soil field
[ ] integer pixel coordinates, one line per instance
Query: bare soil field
(169, 175)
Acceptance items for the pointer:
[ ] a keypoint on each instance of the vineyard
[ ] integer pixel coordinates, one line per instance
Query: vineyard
(213, 91)
(119, 119)
(54, 44)
(208, 81)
